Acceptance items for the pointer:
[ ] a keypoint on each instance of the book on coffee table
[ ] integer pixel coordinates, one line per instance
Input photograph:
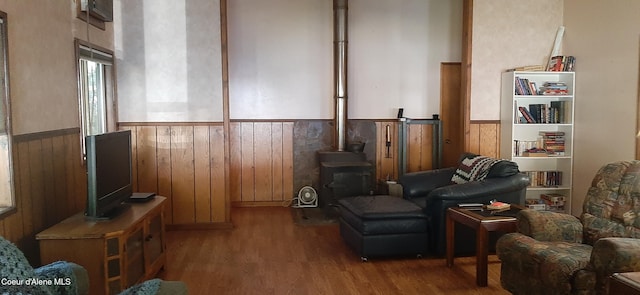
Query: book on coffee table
(497, 205)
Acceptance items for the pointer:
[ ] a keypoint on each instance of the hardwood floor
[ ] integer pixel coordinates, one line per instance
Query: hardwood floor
(266, 253)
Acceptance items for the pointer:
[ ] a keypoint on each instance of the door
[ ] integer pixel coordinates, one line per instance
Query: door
(451, 113)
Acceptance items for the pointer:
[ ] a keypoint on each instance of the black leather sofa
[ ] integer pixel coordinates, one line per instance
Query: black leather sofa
(415, 223)
(433, 191)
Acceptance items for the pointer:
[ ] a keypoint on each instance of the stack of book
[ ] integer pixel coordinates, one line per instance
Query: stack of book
(552, 142)
(535, 204)
(554, 88)
(554, 202)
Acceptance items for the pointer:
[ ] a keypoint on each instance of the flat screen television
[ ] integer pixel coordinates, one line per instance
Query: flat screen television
(109, 177)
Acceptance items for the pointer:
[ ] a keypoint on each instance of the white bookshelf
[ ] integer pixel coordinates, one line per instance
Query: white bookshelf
(517, 134)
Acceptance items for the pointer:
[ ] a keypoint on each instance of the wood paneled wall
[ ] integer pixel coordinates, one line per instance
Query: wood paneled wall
(50, 185)
(484, 138)
(184, 163)
(261, 163)
(386, 163)
(419, 149)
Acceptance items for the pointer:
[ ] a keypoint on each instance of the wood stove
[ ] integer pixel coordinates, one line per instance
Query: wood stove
(343, 174)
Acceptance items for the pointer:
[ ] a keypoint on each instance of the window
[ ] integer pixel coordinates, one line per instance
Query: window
(7, 202)
(95, 90)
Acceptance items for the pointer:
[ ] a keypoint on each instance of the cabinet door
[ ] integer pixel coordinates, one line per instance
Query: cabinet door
(135, 267)
(154, 240)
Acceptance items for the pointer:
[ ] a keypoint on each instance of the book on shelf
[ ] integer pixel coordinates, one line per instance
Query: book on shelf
(554, 88)
(525, 87)
(535, 204)
(553, 198)
(545, 178)
(562, 111)
(555, 112)
(561, 63)
(553, 201)
(521, 148)
(527, 116)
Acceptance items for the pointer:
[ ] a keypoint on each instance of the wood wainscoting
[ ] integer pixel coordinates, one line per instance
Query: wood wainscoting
(484, 138)
(419, 149)
(50, 185)
(185, 164)
(261, 164)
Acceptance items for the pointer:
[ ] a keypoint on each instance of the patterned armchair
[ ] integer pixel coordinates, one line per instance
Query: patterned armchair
(61, 277)
(555, 253)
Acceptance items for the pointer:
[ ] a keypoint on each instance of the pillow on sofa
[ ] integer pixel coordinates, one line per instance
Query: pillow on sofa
(473, 168)
(503, 168)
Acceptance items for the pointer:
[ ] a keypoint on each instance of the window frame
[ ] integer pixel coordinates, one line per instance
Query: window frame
(5, 97)
(106, 57)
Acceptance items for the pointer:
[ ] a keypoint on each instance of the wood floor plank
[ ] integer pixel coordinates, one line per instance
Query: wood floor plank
(266, 253)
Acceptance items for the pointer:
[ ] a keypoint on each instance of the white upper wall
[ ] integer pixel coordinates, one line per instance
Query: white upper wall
(281, 57)
(168, 60)
(396, 48)
(508, 34)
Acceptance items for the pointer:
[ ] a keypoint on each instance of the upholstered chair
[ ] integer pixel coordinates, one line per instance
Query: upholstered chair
(556, 253)
(61, 277)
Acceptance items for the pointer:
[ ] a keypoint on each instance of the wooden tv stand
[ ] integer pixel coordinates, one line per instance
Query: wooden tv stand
(117, 253)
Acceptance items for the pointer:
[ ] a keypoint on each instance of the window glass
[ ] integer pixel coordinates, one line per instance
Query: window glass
(95, 90)
(7, 201)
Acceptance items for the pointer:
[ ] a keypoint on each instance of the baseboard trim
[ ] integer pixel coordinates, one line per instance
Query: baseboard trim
(284, 203)
(199, 226)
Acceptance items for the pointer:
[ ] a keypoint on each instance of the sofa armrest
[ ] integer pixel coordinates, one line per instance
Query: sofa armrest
(611, 255)
(419, 184)
(481, 189)
(550, 226)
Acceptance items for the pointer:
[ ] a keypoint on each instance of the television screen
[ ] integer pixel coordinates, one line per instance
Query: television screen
(109, 179)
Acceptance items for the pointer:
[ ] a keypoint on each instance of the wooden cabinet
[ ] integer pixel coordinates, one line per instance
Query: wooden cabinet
(117, 253)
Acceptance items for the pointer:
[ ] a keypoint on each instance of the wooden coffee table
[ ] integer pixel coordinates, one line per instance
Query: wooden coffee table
(624, 283)
(483, 224)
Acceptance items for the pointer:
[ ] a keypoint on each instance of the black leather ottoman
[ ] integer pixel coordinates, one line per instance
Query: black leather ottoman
(383, 226)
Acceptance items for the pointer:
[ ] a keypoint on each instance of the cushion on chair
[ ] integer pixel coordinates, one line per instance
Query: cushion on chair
(473, 168)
